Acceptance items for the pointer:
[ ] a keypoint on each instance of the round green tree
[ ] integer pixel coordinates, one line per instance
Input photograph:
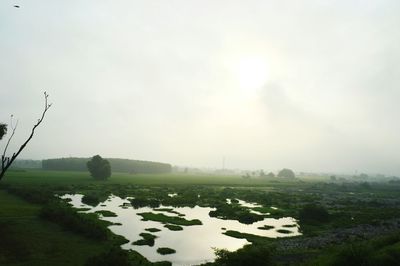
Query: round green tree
(286, 173)
(99, 168)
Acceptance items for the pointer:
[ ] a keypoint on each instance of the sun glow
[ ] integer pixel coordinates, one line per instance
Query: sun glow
(251, 72)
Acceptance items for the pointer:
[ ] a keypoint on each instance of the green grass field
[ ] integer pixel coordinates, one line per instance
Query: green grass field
(83, 178)
(28, 240)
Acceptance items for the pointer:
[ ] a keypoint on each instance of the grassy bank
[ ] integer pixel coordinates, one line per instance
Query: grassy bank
(28, 240)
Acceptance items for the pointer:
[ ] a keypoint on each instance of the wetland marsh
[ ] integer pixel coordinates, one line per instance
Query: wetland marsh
(179, 219)
(196, 242)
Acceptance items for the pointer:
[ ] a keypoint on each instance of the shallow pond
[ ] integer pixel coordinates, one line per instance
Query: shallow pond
(194, 244)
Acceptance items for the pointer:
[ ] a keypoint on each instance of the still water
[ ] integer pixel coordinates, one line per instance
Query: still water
(194, 244)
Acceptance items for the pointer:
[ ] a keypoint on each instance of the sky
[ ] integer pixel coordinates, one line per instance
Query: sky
(308, 85)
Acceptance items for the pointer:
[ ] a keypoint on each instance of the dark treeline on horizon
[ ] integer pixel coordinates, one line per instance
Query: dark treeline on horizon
(27, 164)
(117, 165)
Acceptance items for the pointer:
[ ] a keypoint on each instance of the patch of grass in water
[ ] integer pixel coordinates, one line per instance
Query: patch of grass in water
(235, 212)
(145, 202)
(166, 251)
(249, 237)
(125, 205)
(170, 210)
(83, 209)
(266, 227)
(152, 230)
(159, 217)
(106, 213)
(270, 211)
(147, 240)
(91, 200)
(173, 227)
(289, 225)
(284, 231)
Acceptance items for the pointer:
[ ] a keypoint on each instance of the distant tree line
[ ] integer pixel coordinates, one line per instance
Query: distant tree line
(284, 173)
(65, 164)
(117, 165)
(37, 164)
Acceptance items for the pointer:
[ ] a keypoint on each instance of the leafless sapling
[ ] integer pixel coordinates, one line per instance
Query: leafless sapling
(7, 161)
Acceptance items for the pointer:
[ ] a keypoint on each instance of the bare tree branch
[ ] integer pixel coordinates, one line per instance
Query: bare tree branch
(12, 135)
(7, 161)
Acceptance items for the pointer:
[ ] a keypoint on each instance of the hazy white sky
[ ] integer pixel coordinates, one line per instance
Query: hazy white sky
(309, 85)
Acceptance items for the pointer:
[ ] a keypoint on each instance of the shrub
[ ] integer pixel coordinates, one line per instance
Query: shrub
(99, 168)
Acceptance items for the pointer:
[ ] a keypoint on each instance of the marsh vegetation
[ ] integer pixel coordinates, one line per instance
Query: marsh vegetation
(295, 220)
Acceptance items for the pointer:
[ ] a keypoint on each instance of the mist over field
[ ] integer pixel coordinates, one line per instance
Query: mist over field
(310, 85)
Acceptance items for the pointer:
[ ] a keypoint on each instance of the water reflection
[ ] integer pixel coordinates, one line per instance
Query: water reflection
(194, 244)
(250, 206)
